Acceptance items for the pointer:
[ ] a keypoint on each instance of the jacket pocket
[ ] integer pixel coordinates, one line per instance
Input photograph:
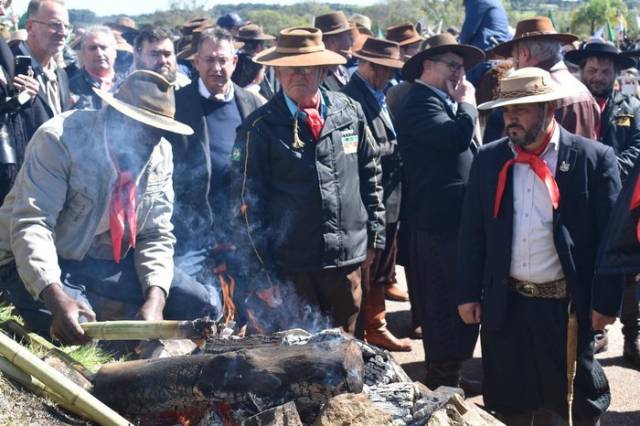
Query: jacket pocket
(78, 205)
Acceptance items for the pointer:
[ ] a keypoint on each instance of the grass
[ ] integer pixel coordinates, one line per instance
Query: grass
(91, 356)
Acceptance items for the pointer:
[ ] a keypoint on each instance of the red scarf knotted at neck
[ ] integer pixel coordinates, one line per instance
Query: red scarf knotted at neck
(313, 120)
(635, 202)
(538, 166)
(122, 210)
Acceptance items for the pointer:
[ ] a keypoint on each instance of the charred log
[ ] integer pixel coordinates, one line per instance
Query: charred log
(265, 376)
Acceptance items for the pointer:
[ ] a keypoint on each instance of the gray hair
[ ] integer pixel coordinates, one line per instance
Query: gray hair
(215, 35)
(34, 6)
(95, 30)
(543, 50)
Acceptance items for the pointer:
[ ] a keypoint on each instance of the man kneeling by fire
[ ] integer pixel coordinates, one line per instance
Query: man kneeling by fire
(86, 230)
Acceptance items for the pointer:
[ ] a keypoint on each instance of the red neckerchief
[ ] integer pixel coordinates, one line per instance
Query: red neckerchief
(538, 166)
(122, 209)
(313, 120)
(602, 104)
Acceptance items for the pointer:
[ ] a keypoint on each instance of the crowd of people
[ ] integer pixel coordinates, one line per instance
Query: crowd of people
(278, 180)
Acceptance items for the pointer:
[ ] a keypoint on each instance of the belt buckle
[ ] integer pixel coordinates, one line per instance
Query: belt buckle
(529, 289)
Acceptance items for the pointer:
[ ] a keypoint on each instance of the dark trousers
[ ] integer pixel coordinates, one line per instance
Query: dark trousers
(112, 290)
(404, 259)
(525, 363)
(336, 293)
(433, 264)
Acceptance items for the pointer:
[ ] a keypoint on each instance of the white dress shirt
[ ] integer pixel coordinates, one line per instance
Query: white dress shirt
(533, 253)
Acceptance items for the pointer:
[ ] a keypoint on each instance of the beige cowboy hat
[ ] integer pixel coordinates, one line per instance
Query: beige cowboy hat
(528, 85)
(380, 51)
(437, 45)
(299, 47)
(332, 23)
(148, 98)
(538, 28)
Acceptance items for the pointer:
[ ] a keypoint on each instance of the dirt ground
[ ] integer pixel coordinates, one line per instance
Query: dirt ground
(623, 379)
(18, 408)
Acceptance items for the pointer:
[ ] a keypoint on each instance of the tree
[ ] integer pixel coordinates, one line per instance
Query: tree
(595, 14)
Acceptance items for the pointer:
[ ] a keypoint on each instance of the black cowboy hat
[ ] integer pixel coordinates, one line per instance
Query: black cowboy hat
(436, 45)
(599, 49)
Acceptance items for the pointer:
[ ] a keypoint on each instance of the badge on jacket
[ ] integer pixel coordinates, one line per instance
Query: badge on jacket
(349, 142)
(623, 120)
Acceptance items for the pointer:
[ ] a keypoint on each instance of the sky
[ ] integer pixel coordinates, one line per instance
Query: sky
(136, 7)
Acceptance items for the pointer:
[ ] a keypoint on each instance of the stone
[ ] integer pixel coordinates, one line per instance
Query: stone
(397, 399)
(351, 409)
(438, 399)
(283, 415)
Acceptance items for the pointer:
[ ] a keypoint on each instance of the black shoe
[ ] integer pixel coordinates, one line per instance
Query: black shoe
(600, 342)
(631, 351)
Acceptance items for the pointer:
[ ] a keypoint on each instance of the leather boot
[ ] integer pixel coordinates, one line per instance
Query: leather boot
(376, 332)
(631, 322)
(443, 373)
(394, 292)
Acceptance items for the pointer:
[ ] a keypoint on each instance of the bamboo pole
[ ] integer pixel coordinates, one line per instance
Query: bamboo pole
(572, 354)
(148, 330)
(65, 388)
(36, 386)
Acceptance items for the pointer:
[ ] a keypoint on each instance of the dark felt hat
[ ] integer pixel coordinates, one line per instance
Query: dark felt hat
(437, 45)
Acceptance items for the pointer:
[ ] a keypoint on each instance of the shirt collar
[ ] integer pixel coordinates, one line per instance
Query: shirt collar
(293, 107)
(37, 66)
(442, 94)
(204, 92)
(378, 94)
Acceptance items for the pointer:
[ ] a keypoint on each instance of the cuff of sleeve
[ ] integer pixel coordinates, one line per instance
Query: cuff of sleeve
(157, 280)
(606, 296)
(39, 282)
(468, 109)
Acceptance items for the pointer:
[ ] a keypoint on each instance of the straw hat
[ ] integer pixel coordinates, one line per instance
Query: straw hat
(437, 45)
(148, 98)
(380, 51)
(539, 28)
(299, 47)
(403, 34)
(599, 49)
(253, 32)
(526, 86)
(332, 23)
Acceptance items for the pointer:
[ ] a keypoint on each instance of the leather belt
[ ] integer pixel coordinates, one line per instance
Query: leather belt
(550, 290)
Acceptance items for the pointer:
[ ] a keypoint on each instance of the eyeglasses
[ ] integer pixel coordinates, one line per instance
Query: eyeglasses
(298, 70)
(453, 66)
(56, 26)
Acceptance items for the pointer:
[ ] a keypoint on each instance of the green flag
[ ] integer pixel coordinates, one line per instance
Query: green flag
(552, 17)
(610, 34)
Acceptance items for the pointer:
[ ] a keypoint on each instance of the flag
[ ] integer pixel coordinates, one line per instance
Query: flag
(552, 18)
(638, 21)
(610, 35)
(599, 33)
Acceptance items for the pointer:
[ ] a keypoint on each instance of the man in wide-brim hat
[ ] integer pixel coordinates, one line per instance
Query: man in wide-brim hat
(537, 44)
(436, 126)
(337, 36)
(92, 211)
(600, 64)
(254, 38)
(534, 215)
(378, 60)
(308, 191)
(407, 37)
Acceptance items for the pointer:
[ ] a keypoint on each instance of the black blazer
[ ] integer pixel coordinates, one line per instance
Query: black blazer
(437, 149)
(589, 181)
(40, 110)
(192, 162)
(385, 136)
